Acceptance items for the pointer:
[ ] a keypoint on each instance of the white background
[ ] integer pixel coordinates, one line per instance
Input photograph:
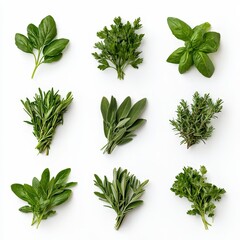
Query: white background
(155, 154)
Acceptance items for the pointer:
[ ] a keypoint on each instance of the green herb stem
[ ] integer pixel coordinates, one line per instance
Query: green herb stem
(119, 221)
(206, 224)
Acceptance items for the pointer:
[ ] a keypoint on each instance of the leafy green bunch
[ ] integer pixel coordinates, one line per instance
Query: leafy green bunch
(121, 122)
(44, 194)
(119, 46)
(198, 43)
(122, 194)
(41, 38)
(46, 113)
(193, 123)
(192, 185)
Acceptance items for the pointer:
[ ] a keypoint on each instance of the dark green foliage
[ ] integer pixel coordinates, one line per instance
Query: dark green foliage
(122, 194)
(193, 123)
(119, 46)
(192, 185)
(44, 194)
(46, 113)
(198, 43)
(41, 38)
(121, 122)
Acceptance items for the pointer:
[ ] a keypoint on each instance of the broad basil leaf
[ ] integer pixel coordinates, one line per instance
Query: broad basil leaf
(203, 63)
(33, 35)
(198, 34)
(23, 43)
(211, 42)
(179, 29)
(55, 47)
(176, 55)
(48, 59)
(47, 30)
(185, 62)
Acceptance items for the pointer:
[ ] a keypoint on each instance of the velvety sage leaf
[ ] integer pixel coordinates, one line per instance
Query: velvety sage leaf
(104, 107)
(62, 176)
(111, 115)
(211, 42)
(122, 122)
(48, 59)
(124, 108)
(45, 178)
(25, 209)
(105, 129)
(185, 62)
(70, 184)
(137, 124)
(179, 29)
(23, 43)
(203, 63)
(33, 35)
(176, 55)
(55, 47)
(47, 30)
(136, 111)
(60, 198)
(18, 189)
(124, 141)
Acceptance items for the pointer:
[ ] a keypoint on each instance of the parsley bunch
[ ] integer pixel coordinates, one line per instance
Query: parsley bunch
(192, 185)
(122, 194)
(193, 122)
(119, 46)
(46, 113)
(199, 42)
(44, 194)
(121, 122)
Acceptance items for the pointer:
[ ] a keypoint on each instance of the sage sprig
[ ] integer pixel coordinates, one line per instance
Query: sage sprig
(46, 113)
(193, 185)
(40, 42)
(199, 42)
(121, 122)
(44, 195)
(193, 123)
(119, 46)
(122, 194)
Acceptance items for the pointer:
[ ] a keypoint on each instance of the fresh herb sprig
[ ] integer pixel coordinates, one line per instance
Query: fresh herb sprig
(119, 46)
(44, 194)
(198, 43)
(41, 38)
(46, 113)
(193, 123)
(121, 122)
(122, 194)
(192, 185)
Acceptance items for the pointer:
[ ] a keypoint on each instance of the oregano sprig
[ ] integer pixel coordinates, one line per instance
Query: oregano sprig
(44, 195)
(40, 42)
(46, 113)
(199, 42)
(121, 122)
(193, 185)
(193, 123)
(119, 46)
(122, 194)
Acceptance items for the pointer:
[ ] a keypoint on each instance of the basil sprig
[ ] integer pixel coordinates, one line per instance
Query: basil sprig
(40, 42)
(198, 43)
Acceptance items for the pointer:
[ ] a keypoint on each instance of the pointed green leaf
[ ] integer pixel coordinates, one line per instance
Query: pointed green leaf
(62, 176)
(176, 55)
(25, 209)
(60, 198)
(33, 35)
(137, 124)
(104, 107)
(186, 62)
(18, 189)
(55, 47)
(124, 108)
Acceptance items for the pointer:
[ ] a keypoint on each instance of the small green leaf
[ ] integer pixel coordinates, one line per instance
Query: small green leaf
(18, 189)
(211, 42)
(33, 35)
(122, 122)
(133, 205)
(137, 124)
(47, 30)
(111, 115)
(185, 62)
(55, 47)
(179, 29)
(25, 209)
(124, 108)
(176, 55)
(56, 58)
(23, 43)
(45, 178)
(203, 64)
(104, 107)
(61, 198)
(62, 176)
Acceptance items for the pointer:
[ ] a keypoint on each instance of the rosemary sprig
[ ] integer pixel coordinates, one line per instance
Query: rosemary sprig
(46, 113)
